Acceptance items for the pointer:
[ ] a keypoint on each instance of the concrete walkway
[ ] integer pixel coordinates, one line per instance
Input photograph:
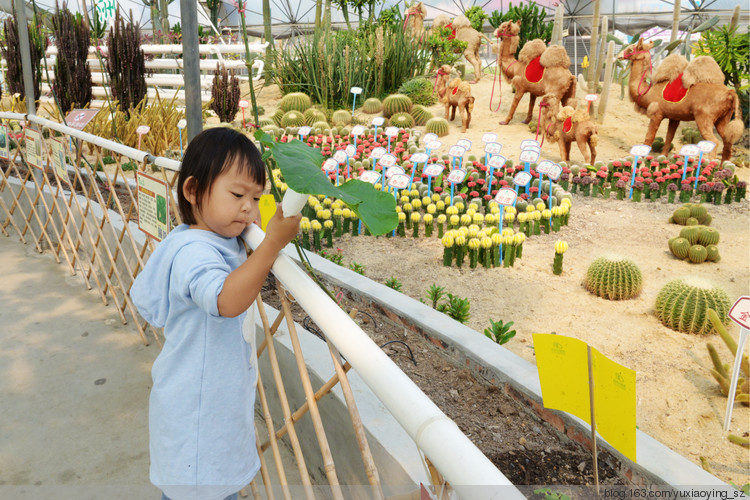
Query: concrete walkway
(74, 386)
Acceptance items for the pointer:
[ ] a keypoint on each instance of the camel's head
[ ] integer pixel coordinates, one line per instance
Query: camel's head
(550, 103)
(637, 51)
(417, 9)
(444, 70)
(508, 29)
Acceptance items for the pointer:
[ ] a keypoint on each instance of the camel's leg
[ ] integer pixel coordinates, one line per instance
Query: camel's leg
(476, 62)
(465, 117)
(581, 141)
(671, 129)
(563, 149)
(653, 126)
(568, 144)
(453, 112)
(447, 110)
(516, 99)
(532, 101)
(706, 127)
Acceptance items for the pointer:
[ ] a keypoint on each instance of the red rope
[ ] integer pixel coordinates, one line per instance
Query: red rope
(437, 76)
(643, 76)
(499, 78)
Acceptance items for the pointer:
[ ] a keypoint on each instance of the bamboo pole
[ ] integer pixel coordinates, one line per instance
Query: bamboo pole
(609, 68)
(325, 450)
(600, 57)
(594, 47)
(675, 21)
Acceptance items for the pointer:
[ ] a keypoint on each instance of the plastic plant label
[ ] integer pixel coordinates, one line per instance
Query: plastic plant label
(740, 312)
(356, 90)
(394, 170)
(432, 145)
(496, 161)
(493, 148)
(554, 171)
(529, 156)
(544, 167)
(640, 150)
(350, 150)
(505, 196)
(457, 176)
(33, 147)
(522, 179)
(464, 143)
(419, 158)
(591, 97)
(489, 137)
(358, 130)
(243, 103)
(142, 129)
(370, 176)
(267, 207)
(706, 146)
(429, 138)
(388, 160)
(377, 153)
(330, 165)
(689, 150)
(533, 148)
(378, 121)
(529, 142)
(433, 169)
(304, 131)
(399, 181)
(391, 131)
(340, 156)
(182, 124)
(79, 118)
(58, 159)
(456, 151)
(153, 208)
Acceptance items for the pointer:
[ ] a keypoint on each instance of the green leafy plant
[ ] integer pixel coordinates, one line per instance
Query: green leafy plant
(357, 268)
(550, 494)
(394, 283)
(444, 49)
(500, 332)
(457, 308)
(420, 90)
(435, 294)
(477, 16)
(337, 256)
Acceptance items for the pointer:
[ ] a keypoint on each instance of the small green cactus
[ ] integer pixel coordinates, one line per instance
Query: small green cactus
(372, 106)
(721, 371)
(681, 215)
(313, 115)
(712, 253)
(698, 211)
(402, 120)
(682, 305)
(396, 103)
(691, 221)
(690, 233)
(438, 126)
(708, 236)
(341, 117)
(679, 247)
(697, 254)
(292, 119)
(614, 278)
(295, 101)
(420, 114)
(277, 115)
(322, 125)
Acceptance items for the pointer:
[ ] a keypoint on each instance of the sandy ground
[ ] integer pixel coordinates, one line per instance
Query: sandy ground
(678, 402)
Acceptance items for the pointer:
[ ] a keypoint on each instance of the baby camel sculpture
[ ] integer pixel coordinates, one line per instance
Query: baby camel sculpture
(458, 95)
(442, 79)
(565, 125)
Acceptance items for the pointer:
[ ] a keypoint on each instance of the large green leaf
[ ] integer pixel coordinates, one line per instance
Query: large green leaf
(706, 25)
(300, 166)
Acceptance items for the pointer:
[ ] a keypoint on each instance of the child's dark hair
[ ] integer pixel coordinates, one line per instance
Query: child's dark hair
(210, 153)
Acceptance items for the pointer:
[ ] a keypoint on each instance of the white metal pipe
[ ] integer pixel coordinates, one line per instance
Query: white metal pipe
(206, 48)
(454, 455)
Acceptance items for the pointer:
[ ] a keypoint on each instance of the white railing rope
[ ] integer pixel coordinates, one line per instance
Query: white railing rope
(452, 453)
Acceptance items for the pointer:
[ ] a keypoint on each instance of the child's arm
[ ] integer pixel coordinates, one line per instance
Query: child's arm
(244, 283)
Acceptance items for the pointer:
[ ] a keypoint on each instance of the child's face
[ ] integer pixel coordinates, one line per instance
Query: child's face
(230, 206)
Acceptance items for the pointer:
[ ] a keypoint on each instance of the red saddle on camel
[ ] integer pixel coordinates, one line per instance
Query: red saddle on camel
(674, 91)
(534, 70)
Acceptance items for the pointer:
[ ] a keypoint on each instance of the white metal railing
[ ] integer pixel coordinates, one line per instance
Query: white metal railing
(119, 251)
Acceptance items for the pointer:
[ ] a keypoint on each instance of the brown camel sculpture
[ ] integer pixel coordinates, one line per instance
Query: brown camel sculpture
(528, 74)
(458, 95)
(442, 79)
(464, 32)
(684, 92)
(565, 125)
(414, 19)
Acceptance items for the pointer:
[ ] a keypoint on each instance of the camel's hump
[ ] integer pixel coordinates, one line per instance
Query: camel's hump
(555, 57)
(531, 50)
(702, 69)
(670, 68)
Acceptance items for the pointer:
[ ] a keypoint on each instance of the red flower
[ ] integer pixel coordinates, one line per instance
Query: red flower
(471, 184)
(702, 179)
(617, 163)
(474, 194)
(487, 197)
(628, 164)
(438, 189)
(602, 173)
(638, 179)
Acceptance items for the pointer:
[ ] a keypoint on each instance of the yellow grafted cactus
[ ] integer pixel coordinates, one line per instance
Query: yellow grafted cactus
(304, 226)
(415, 219)
(494, 210)
(465, 220)
(426, 201)
(546, 213)
(328, 230)
(489, 220)
(530, 208)
(428, 226)
(474, 245)
(509, 218)
(460, 206)
(540, 206)
(460, 249)
(328, 224)
(507, 231)
(327, 202)
(326, 214)
(435, 197)
(448, 243)
(440, 205)
(560, 248)
(431, 208)
(401, 220)
(473, 231)
(451, 210)
(454, 220)
(416, 204)
(471, 211)
(404, 199)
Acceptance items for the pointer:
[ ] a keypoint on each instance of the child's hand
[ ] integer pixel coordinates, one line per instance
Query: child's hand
(281, 230)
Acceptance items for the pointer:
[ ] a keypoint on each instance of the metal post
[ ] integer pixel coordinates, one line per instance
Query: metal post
(191, 69)
(23, 39)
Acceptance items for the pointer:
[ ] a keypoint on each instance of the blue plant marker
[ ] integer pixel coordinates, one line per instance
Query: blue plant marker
(389, 143)
(500, 228)
(356, 91)
(632, 177)
(698, 170)
(429, 185)
(452, 184)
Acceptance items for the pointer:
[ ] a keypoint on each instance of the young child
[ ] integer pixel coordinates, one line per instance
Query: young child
(197, 285)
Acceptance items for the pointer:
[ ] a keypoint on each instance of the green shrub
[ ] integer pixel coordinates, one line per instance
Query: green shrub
(420, 90)
(533, 24)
